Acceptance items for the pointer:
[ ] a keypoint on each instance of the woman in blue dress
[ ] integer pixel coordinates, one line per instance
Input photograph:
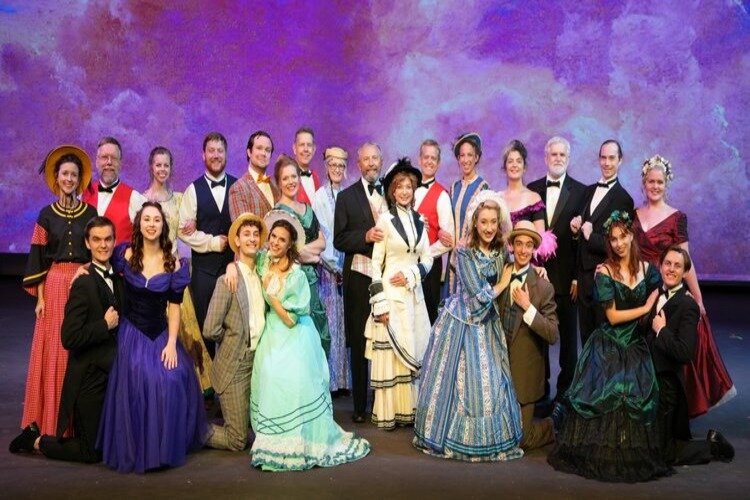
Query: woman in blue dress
(153, 410)
(290, 403)
(467, 407)
(609, 433)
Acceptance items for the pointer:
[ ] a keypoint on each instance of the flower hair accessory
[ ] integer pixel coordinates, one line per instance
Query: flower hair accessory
(657, 161)
(618, 216)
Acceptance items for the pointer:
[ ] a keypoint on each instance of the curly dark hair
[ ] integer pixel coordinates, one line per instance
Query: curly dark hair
(292, 253)
(136, 242)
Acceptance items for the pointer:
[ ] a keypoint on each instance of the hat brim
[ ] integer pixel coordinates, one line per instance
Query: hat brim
(398, 169)
(247, 216)
(526, 232)
(472, 138)
(84, 177)
(278, 214)
(504, 224)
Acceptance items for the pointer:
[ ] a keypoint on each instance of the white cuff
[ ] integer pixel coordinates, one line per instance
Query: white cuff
(529, 315)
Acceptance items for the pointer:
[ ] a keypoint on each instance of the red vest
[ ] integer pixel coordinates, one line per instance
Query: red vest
(302, 195)
(428, 208)
(118, 210)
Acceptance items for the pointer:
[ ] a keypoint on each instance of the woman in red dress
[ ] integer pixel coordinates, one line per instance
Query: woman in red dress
(57, 250)
(657, 226)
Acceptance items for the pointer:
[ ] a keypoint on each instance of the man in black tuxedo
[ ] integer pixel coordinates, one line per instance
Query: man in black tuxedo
(563, 197)
(89, 334)
(599, 201)
(672, 338)
(354, 233)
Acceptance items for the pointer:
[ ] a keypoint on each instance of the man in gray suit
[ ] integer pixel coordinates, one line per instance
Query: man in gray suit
(235, 321)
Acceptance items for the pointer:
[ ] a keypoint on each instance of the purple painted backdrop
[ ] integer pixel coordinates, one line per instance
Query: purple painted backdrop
(671, 78)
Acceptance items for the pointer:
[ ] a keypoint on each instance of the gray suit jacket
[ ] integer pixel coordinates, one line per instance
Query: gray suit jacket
(227, 325)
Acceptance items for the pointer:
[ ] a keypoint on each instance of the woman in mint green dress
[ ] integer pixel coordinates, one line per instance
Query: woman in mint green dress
(290, 403)
(313, 241)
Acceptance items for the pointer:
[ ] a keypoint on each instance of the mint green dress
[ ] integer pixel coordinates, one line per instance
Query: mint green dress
(290, 404)
(318, 312)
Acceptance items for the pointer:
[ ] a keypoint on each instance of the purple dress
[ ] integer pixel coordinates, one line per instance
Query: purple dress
(152, 416)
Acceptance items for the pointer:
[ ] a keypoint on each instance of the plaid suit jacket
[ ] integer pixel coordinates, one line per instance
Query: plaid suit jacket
(246, 196)
(227, 325)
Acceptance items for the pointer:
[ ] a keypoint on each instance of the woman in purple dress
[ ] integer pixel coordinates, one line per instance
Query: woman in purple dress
(153, 411)
(523, 203)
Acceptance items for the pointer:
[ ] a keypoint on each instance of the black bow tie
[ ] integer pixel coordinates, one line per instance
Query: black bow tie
(375, 187)
(518, 276)
(106, 274)
(221, 183)
(305, 173)
(553, 184)
(607, 184)
(110, 189)
(427, 184)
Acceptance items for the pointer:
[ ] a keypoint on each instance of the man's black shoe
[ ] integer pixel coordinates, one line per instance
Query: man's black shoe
(358, 418)
(721, 449)
(25, 440)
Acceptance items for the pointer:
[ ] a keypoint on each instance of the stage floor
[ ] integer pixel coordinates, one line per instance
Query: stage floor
(394, 469)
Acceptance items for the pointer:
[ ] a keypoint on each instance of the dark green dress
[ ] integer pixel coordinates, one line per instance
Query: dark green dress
(317, 309)
(610, 432)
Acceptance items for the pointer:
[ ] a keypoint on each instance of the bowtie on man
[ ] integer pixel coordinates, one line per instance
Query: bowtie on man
(354, 234)
(599, 201)
(89, 330)
(563, 197)
(304, 151)
(205, 207)
(434, 203)
(255, 192)
(110, 196)
(527, 310)
(672, 339)
(234, 322)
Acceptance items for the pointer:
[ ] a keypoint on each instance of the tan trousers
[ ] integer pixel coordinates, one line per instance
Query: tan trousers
(235, 406)
(536, 432)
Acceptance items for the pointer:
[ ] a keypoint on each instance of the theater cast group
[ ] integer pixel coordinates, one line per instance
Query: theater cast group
(298, 291)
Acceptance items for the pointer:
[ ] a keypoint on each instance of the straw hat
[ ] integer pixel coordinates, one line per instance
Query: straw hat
(526, 228)
(84, 177)
(278, 214)
(238, 222)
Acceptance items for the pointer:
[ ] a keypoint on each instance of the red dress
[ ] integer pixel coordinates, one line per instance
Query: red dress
(707, 382)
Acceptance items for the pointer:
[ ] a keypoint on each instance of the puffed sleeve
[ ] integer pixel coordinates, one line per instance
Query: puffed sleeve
(39, 261)
(118, 257)
(476, 290)
(538, 211)
(296, 299)
(605, 287)
(178, 283)
(681, 229)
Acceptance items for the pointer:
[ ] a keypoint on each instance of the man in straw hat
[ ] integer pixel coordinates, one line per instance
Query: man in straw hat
(234, 322)
(111, 197)
(527, 309)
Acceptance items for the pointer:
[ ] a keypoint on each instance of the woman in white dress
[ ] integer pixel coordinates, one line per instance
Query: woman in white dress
(399, 329)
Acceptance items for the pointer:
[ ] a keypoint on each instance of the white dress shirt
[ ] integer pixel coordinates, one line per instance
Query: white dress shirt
(200, 241)
(664, 298)
(265, 187)
(257, 304)
(552, 197)
(601, 192)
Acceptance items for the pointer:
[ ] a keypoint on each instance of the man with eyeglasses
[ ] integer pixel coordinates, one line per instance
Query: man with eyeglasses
(111, 197)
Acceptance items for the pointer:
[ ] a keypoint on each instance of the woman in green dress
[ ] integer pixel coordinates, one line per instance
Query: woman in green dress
(290, 403)
(286, 174)
(609, 433)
